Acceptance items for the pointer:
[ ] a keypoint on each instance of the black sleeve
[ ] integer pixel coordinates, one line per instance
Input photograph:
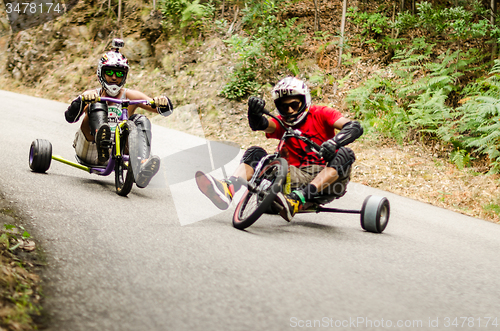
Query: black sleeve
(75, 110)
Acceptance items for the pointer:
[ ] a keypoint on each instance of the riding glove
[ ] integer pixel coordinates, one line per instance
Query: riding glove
(328, 150)
(256, 118)
(90, 96)
(164, 106)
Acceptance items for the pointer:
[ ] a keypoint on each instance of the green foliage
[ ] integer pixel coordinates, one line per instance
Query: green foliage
(492, 207)
(184, 13)
(412, 95)
(370, 22)
(242, 83)
(458, 22)
(373, 26)
(9, 226)
(348, 60)
(271, 44)
(479, 126)
(461, 158)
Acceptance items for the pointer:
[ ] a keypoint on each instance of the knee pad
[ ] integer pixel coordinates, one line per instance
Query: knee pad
(342, 162)
(98, 115)
(253, 155)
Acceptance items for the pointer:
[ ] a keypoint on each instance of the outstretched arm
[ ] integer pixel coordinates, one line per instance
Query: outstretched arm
(349, 131)
(163, 104)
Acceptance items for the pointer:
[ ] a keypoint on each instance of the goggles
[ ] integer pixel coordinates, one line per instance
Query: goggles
(118, 73)
(283, 107)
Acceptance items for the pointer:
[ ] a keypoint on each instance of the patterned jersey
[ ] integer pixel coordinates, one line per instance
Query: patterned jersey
(317, 126)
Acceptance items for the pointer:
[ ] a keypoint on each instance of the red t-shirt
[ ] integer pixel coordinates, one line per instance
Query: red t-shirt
(318, 126)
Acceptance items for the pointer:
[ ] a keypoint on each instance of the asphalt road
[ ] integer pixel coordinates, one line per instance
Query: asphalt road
(164, 259)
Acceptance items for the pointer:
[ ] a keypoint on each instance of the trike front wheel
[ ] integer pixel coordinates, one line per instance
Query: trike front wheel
(124, 176)
(261, 194)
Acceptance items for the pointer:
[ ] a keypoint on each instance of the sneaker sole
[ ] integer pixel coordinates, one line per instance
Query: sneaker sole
(104, 133)
(285, 212)
(150, 169)
(207, 187)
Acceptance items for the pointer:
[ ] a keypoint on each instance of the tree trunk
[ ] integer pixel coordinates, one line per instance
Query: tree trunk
(119, 11)
(402, 7)
(342, 28)
(494, 46)
(316, 15)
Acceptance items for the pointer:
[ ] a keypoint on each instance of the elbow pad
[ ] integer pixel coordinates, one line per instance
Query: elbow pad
(351, 131)
(75, 110)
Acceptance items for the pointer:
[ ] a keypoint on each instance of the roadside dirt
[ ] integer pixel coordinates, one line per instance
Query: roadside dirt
(20, 264)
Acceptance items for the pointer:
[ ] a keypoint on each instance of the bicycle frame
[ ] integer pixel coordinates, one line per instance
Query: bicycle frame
(292, 133)
(289, 133)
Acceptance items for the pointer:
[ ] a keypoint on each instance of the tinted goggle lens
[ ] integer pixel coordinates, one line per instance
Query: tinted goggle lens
(283, 107)
(118, 73)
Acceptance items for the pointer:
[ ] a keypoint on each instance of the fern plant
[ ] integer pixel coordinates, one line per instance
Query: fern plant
(182, 14)
(270, 46)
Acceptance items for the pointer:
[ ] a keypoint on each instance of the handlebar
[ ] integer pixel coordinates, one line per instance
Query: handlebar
(122, 101)
(295, 133)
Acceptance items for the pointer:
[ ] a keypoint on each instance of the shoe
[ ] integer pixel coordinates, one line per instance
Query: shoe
(149, 168)
(218, 191)
(291, 205)
(103, 143)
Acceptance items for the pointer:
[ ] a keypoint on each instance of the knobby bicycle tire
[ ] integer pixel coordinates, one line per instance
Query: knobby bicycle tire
(256, 201)
(124, 175)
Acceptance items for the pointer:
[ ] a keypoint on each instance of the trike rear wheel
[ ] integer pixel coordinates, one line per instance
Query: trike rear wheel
(40, 155)
(257, 199)
(124, 176)
(375, 214)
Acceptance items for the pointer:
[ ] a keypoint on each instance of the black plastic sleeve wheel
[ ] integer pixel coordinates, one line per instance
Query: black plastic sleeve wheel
(375, 214)
(40, 155)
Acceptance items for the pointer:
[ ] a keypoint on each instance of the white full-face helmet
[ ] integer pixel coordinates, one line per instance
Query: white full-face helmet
(112, 60)
(292, 87)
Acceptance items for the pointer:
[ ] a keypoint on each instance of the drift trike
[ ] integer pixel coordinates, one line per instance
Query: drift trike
(123, 143)
(269, 179)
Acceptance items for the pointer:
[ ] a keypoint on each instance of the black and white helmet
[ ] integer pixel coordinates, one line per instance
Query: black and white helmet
(116, 61)
(288, 87)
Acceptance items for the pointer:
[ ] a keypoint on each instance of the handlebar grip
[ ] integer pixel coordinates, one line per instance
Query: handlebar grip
(87, 101)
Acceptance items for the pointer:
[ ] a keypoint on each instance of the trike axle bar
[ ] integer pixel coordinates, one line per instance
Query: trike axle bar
(336, 210)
